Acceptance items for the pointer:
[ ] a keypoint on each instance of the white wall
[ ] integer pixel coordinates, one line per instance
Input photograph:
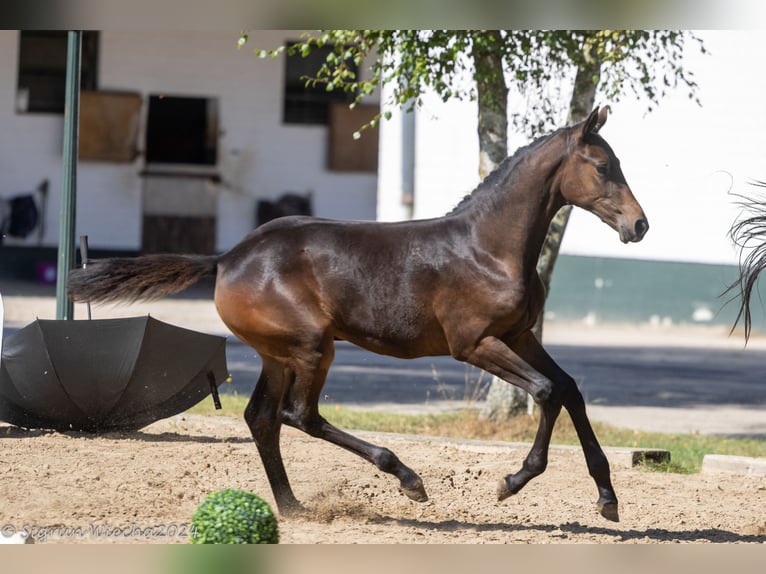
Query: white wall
(30, 145)
(259, 157)
(680, 160)
(448, 159)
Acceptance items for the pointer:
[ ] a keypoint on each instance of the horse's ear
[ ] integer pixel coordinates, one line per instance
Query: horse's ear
(595, 121)
(603, 113)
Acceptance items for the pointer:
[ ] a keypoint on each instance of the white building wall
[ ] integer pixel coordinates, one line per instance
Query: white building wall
(259, 157)
(448, 156)
(30, 145)
(396, 163)
(682, 161)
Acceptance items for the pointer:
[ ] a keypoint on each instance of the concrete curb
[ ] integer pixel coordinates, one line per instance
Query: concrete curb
(720, 463)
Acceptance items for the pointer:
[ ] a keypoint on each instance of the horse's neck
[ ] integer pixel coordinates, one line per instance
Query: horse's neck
(513, 225)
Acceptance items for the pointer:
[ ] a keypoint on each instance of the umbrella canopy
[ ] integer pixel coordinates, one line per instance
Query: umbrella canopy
(2, 320)
(106, 374)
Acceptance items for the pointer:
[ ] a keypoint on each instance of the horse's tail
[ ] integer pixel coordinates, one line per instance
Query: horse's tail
(133, 278)
(749, 235)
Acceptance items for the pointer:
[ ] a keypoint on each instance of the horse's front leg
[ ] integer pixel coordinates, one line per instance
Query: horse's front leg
(524, 363)
(494, 356)
(528, 347)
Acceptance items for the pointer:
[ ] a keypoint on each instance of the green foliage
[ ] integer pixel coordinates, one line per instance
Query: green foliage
(537, 63)
(233, 516)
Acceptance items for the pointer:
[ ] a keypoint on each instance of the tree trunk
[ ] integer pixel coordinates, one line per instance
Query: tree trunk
(504, 400)
(581, 104)
(583, 98)
(492, 98)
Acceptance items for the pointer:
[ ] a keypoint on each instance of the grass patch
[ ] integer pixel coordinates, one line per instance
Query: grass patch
(232, 405)
(686, 450)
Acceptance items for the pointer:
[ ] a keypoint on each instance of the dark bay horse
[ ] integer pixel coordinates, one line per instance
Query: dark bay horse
(463, 285)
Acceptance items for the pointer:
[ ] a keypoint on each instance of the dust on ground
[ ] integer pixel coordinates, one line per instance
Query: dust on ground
(144, 486)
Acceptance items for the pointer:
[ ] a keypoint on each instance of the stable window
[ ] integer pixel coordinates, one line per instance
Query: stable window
(42, 69)
(182, 130)
(309, 104)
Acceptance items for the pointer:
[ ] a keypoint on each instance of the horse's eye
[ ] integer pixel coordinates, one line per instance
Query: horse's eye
(602, 168)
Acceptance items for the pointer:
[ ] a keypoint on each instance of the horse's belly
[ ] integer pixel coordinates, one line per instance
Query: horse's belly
(403, 341)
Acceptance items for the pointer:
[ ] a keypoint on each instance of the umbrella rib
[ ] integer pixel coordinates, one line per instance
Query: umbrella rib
(202, 370)
(133, 372)
(55, 372)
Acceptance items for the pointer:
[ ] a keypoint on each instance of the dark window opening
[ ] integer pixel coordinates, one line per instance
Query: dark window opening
(309, 104)
(182, 130)
(41, 79)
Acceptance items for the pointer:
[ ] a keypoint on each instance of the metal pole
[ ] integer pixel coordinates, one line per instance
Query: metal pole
(66, 257)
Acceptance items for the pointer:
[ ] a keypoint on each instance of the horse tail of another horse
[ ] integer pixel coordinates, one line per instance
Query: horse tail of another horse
(138, 278)
(749, 235)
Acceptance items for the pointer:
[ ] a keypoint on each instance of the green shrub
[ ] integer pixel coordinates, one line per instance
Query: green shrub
(233, 516)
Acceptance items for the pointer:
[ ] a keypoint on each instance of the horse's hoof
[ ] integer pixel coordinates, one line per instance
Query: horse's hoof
(503, 491)
(291, 509)
(417, 492)
(609, 510)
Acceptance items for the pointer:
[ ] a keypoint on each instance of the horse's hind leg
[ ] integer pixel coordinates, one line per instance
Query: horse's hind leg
(263, 416)
(301, 411)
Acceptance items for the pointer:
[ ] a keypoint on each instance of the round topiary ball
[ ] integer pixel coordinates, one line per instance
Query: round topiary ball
(233, 516)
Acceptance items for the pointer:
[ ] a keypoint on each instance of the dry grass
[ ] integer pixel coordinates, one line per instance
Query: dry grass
(686, 450)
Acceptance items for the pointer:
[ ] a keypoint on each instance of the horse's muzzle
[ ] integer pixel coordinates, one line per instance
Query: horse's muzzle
(641, 227)
(635, 234)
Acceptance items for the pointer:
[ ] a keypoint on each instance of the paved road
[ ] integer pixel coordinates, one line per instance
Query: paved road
(670, 381)
(673, 389)
(614, 376)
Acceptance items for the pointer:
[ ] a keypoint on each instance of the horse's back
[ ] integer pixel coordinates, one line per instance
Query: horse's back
(371, 283)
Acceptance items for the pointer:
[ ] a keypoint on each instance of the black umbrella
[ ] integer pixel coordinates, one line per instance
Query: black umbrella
(106, 374)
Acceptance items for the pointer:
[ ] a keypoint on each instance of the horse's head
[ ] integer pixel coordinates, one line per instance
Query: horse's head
(591, 178)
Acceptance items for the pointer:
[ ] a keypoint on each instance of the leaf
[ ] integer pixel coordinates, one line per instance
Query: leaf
(538, 64)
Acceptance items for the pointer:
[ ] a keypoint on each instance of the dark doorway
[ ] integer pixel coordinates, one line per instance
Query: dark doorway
(182, 130)
(180, 185)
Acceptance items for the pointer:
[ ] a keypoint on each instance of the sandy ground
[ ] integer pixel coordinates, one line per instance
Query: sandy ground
(144, 487)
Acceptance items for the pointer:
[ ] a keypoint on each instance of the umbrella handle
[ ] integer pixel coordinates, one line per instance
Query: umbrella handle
(214, 390)
(84, 260)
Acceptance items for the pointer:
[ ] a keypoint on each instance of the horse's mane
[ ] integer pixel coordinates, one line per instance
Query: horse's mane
(503, 170)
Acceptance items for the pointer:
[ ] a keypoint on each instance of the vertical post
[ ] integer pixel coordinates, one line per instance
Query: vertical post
(408, 161)
(66, 254)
